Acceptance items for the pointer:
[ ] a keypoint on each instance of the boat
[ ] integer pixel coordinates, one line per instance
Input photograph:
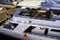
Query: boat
(35, 23)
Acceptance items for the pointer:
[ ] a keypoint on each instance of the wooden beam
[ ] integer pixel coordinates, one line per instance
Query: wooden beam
(7, 6)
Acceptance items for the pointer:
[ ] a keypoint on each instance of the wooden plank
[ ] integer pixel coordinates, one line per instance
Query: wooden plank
(1, 11)
(42, 11)
(7, 6)
(11, 11)
(3, 16)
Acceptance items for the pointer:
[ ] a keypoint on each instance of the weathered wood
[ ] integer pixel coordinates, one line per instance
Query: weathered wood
(11, 11)
(3, 15)
(7, 6)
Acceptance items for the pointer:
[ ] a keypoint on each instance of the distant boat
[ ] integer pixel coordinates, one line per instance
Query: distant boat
(51, 4)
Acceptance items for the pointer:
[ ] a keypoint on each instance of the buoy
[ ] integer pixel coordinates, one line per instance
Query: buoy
(25, 37)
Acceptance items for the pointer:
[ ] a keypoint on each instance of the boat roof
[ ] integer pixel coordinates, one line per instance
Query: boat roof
(46, 23)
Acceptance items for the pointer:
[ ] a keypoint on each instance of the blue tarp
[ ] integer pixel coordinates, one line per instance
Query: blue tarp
(52, 4)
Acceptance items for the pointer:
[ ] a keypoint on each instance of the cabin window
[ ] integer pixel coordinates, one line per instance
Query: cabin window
(46, 31)
(14, 24)
(55, 30)
(10, 26)
(28, 30)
